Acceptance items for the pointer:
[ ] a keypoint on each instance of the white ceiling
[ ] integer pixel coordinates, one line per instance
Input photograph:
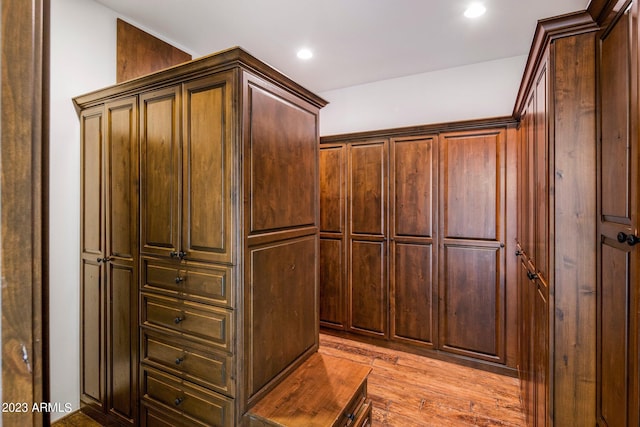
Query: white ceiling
(354, 41)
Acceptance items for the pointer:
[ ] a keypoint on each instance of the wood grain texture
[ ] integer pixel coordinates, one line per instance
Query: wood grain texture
(139, 53)
(416, 391)
(24, 130)
(314, 395)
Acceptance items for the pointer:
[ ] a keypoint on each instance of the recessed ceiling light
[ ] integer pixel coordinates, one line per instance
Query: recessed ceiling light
(305, 54)
(475, 10)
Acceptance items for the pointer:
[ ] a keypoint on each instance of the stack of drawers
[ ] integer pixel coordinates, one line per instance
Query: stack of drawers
(186, 344)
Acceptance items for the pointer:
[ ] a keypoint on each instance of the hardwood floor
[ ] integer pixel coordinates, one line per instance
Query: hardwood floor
(409, 390)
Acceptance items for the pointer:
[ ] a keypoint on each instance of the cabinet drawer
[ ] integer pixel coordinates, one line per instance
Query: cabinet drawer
(188, 403)
(353, 410)
(363, 419)
(211, 370)
(197, 282)
(199, 321)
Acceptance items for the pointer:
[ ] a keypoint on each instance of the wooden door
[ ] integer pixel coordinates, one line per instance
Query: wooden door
(207, 227)
(92, 269)
(618, 254)
(121, 241)
(160, 180)
(472, 264)
(367, 213)
(332, 236)
(413, 181)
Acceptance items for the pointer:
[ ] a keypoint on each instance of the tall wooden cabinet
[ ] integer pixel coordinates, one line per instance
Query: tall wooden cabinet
(618, 256)
(225, 302)
(556, 224)
(109, 260)
(413, 248)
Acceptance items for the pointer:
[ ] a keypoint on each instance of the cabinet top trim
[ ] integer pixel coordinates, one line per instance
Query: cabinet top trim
(548, 30)
(421, 130)
(220, 61)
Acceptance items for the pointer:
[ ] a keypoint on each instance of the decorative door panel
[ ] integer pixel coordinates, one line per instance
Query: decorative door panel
(618, 258)
(540, 207)
(332, 282)
(332, 188)
(413, 189)
(368, 293)
(92, 209)
(92, 350)
(472, 301)
(283, 160)
(160, 171)
(280, 308)
(471, 187)
(122, 178)
(413, 297)
(122, 347)
(367, 188)
(207, 165)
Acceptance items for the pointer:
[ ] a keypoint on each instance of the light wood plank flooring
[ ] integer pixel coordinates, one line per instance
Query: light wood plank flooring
(409, 390)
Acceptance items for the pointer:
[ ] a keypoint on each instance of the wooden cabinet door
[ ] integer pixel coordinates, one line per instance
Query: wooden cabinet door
(368, 289)
(92, 270)
(160, 178)
(472, 263)
(332, 236)
(413, 239)
(206, 168)
(540, 164)
(540, 352)
(618, 257)
(121, 287)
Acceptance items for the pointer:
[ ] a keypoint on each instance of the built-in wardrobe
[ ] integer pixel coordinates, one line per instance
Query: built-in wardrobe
(199, 241)
(416, 228)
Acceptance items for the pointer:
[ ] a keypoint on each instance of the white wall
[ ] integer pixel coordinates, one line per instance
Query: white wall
(476, 91)
(83, 58)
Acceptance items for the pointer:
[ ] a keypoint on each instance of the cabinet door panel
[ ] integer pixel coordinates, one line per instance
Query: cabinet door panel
(91, 182)
(122, 178)
(367, 188)
(283, 158)
(541, 177)
(617, 367)
(280, 308)
(471, 185)
(207, 168)
(332, 185)
(123, 341)
(160, 162)
(332, 283)
(472, 293)
(92, 333)
(413, 197)
(368, 288)
(413, 317)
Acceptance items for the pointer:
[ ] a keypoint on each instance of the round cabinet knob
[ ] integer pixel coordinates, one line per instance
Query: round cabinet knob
(178, 401)
(179, 280)
(179, 360)
(622, 237)
(178, 320)
(632, 240)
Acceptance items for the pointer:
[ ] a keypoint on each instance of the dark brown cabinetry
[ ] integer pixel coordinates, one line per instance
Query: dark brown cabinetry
(109, 254)
(412, 248)
(618, 257)
(556, 224)
(228, 253)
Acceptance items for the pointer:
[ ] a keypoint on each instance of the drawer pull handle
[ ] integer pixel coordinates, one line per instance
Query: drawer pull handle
(178, 319)
(179, 279)
(179, 255)
(179, 360)
(178, 401)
